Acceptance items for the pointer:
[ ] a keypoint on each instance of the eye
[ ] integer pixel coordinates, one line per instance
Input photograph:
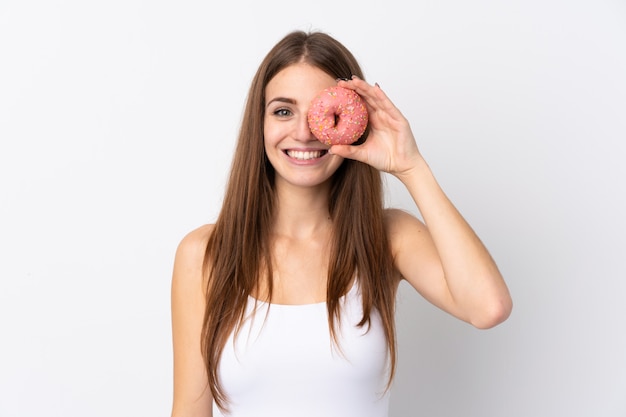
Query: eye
(282, 112)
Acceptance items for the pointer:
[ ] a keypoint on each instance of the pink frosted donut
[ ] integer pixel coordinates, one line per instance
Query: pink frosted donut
(338, 116)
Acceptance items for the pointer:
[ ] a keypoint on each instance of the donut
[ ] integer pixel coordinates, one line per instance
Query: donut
(337, 116)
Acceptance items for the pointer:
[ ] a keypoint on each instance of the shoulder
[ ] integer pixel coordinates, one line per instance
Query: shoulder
(411, 244)
(195, 241)
(190, 253)
(400, 224)
(395, 215)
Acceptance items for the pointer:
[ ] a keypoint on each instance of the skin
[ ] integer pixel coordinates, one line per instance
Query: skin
(303, 225)
(442, 258)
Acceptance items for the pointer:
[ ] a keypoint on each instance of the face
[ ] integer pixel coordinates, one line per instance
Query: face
(296, 155)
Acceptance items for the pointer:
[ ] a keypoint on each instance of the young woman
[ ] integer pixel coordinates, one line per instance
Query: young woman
(285, 306)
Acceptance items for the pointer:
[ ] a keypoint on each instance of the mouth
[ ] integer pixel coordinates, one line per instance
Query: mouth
(305, 155)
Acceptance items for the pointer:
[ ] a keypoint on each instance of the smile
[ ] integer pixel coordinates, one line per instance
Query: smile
(305, 155)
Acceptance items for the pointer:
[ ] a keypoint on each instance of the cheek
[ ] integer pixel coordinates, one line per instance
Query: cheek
(268, 136)
(271, 139)
(267, 130)
(271, 133)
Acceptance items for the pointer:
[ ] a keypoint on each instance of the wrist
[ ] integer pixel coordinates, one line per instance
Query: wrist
(418, 168)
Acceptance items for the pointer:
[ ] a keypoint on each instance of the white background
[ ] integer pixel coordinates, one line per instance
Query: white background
(117, 124)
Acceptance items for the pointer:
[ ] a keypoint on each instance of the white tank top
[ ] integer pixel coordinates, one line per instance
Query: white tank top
(283, 363)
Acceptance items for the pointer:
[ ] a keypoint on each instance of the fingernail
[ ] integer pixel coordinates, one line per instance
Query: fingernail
(377, 85)
(342, 79)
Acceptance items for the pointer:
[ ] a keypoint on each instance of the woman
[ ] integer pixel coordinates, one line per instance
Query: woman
(285, 306)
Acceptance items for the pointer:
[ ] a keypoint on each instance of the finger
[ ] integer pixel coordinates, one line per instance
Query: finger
(349, 152)
(374, 96)
(381, 109)
(359, 85)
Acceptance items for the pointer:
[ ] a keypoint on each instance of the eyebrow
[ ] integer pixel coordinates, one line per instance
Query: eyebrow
(281, 100)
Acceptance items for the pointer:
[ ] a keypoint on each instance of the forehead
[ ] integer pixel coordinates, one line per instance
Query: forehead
(298, 81)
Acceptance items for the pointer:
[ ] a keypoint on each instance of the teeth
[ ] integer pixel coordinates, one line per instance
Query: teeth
(304, 155)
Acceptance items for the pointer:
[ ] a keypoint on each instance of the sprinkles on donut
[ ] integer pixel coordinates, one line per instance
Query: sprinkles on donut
(338, 116)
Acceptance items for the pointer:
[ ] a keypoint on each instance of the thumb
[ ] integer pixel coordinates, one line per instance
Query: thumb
(348, 151)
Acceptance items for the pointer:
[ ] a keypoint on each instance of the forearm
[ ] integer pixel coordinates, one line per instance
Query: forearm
(472, 277)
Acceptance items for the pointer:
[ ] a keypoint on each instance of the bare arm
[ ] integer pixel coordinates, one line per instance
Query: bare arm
(443, 259)
(446, 261)
(192, 397)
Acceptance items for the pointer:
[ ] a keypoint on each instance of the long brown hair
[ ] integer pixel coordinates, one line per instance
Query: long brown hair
(238, 252)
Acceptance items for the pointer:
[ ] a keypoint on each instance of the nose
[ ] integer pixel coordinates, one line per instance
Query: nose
(302, 131)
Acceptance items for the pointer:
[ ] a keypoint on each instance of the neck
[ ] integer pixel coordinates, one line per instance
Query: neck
(302, 212)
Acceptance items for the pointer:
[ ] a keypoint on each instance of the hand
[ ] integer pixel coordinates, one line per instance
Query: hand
(390, 146)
